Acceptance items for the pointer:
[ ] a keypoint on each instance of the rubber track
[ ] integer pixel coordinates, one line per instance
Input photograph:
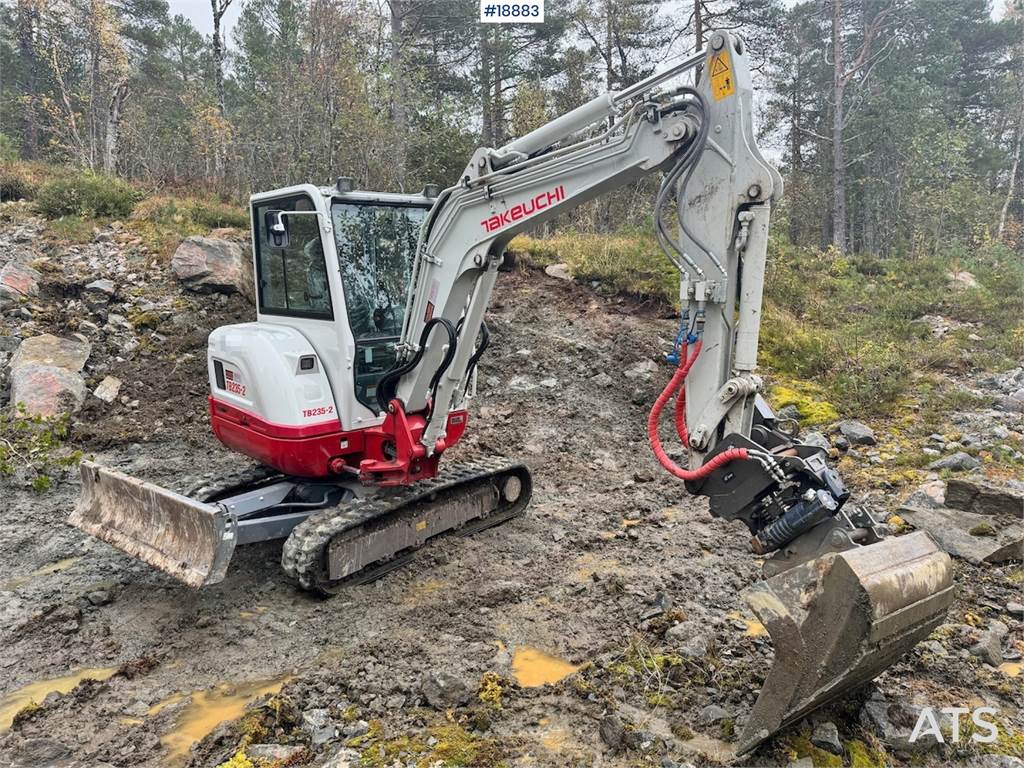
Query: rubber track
(303, 556)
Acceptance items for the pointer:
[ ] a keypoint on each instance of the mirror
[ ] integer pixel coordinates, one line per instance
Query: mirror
(277, 228)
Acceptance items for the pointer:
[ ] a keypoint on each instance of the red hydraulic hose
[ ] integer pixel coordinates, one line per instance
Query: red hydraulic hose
(680, 410)
(675, 384)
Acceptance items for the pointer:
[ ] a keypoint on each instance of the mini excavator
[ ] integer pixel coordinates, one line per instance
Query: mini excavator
(354, 381)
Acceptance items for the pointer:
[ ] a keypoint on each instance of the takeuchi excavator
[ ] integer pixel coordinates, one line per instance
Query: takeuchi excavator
(355, 379)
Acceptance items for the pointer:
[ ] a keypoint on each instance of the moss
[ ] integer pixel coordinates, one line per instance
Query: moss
(800, 745)
(350, 714)
(452, 746)
(457, 747)
(802, 395)
(373, 733)
(1008, 742)
(864, 756)
(982, 529)
(898, 524)
(237, 760)
(490, 690)
(150, 320)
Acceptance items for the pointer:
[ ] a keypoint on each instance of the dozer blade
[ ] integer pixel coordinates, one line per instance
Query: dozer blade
(191, 541)
(840, 620)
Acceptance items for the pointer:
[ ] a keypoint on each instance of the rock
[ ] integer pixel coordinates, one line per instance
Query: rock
(712, 714)
(816, 439)
(612, 732)
(17, 282)
(659, 604)
(344, 758)
(602, 380)
(51, 350)
(209, 265)
(549, 383)
(1011, 404)
(521, 384)
(960, 281)
(982, 497)
(357, 728)
(108, 389)
(951, 529)
(273, 752)
(687, 638)
(443, 690)
(560, 271)
(99, 597)
(826, 736)
(989, 647)
(857, 433)
(317, 723)
(996, 761)
(803, 762)
(102, 287)
(643, 369)
(1012, 607)
(893, 723)
(790, 412)
(45, 376)
(957, 462)
(842, 443)
(41, 753)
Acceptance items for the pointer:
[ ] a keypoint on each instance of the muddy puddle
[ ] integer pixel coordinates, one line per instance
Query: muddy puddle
(206, 710)
(34, 693)
(20, 581)
(532, 667)
(754, 627)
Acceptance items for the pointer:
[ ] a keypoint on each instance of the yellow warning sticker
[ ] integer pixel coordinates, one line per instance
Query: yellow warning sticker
(722, 81)
(421, 525)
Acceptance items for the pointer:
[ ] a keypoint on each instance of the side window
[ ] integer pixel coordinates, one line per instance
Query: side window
(292, 279)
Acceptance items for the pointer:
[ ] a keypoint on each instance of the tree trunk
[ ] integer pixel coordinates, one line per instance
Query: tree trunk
(399, 89)
(487, 123)
(838, 151)
(1012, 188)
(219, 7)
(27, 20)
(698, 25)
(117, 99)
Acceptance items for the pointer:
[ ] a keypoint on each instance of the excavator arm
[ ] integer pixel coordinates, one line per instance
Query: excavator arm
(841, 599)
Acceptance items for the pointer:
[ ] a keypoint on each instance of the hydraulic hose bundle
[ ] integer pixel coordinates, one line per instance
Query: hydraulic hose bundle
(677, 386)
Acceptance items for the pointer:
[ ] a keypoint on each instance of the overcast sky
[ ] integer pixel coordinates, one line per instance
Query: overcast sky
(201, 15)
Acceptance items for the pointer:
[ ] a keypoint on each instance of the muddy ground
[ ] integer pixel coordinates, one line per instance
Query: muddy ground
(609, 555)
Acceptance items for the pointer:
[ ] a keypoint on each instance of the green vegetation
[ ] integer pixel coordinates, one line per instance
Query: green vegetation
(87, 195)
(164, 220)
(34, 447)
(449, 745)
(625, 262)
(8, 149)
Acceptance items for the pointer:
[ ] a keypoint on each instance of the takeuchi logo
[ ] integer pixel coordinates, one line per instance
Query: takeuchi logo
(522, 210)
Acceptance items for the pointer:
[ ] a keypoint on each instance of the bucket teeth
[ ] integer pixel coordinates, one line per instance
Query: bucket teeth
(840, 620)
(190, 540)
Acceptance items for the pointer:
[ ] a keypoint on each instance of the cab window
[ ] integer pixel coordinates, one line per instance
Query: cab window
(376, 243)
(292, 276)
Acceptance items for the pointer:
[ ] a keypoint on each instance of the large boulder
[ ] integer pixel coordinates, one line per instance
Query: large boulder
(46, 375)
(987, 534)
(212, 265)
(17, 282)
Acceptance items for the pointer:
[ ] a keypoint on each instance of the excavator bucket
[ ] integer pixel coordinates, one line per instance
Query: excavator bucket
(190, 540)
(840, 620)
